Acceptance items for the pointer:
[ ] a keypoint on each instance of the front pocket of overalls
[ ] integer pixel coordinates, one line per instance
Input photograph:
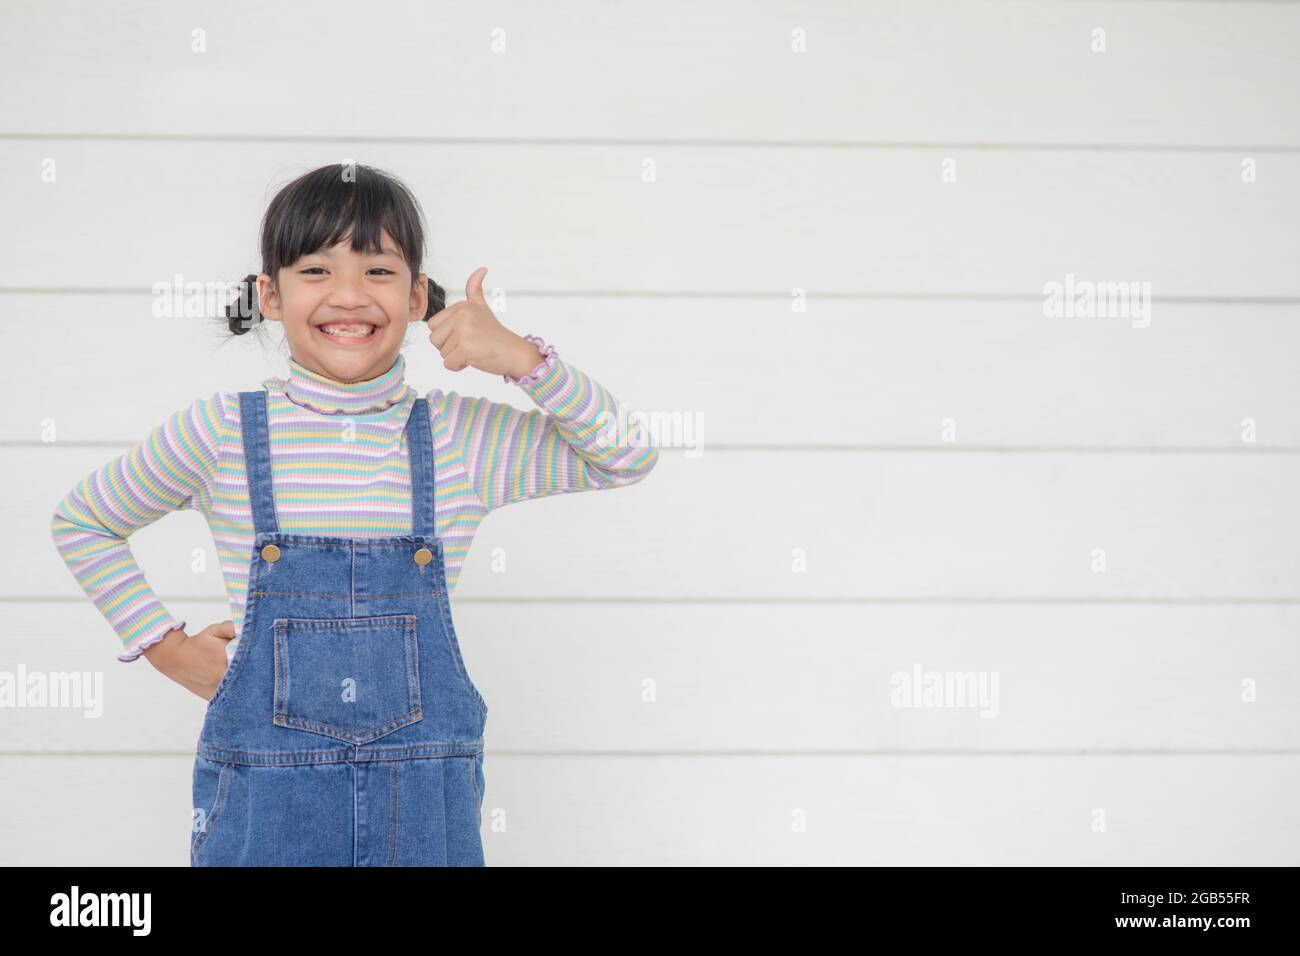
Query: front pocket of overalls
(354, 679)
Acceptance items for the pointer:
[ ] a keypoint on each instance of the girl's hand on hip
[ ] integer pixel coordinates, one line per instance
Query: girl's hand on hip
(467, 333)
(195, 661)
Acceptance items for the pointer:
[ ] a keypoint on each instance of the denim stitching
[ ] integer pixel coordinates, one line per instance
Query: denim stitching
(340, 755)
(348, 623)
(392, 814)
(218, 804)
(413, 713)
(453, 643)
(342, 595)
(473, 780)
(241, 653)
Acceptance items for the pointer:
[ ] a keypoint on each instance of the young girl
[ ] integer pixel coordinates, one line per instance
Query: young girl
(342, 728)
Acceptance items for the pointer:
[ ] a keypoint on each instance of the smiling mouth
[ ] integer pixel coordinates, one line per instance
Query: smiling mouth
(349, 332)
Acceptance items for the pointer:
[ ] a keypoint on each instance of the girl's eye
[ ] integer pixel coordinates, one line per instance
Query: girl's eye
(382, 269)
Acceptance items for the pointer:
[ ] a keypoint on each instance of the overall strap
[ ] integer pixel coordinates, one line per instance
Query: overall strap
(257, 460)
(419, 445)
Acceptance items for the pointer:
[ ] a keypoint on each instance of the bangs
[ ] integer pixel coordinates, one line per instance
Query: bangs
(319, 209)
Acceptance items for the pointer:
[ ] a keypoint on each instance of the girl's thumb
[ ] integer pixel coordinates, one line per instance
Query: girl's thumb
(474, 286)
(224, 629)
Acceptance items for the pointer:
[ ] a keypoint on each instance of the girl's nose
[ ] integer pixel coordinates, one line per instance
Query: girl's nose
(347, 293)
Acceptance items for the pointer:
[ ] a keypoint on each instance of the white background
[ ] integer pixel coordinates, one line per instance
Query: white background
(649, 185)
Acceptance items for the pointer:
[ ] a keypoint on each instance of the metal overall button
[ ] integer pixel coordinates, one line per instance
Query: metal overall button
(353, 678)
(423, 557)
(270, 553)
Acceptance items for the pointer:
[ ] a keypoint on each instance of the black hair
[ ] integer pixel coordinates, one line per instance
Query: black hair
(317, 210)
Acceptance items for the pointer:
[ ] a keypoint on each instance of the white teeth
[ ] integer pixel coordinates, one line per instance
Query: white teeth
(347, 333)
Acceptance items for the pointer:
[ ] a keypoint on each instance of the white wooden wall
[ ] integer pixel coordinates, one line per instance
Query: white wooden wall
(526, 130)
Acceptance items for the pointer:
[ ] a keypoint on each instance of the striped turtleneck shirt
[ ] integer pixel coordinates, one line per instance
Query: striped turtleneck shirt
(340, 467)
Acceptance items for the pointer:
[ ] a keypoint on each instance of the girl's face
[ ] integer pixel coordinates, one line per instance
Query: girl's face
(345, 313)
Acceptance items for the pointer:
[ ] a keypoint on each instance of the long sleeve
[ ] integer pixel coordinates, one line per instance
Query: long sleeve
(173, 468)
(578, 439)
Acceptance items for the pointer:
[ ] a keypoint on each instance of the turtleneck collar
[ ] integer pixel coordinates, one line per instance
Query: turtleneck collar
(321, 394)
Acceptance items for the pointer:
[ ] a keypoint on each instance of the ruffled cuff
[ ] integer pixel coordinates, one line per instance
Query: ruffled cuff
(549, 359)
(133, 652)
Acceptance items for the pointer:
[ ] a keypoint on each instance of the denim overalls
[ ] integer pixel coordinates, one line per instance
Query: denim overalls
(346, 730)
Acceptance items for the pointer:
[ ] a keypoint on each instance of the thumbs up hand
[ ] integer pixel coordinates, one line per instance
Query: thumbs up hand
(467, 333)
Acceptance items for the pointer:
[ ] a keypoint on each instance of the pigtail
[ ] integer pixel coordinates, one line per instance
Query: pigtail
(437, 300)
(242, 314)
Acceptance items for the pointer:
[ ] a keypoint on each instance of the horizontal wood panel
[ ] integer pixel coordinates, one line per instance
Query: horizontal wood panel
(618, 678)
(580, 218)
(759, 525)
(728, 371)
(772, 810)
(896, 71)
